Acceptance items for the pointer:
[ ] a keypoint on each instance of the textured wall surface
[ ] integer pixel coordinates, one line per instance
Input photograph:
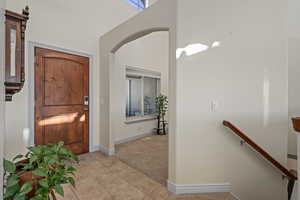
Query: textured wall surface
(236, 59)
(294, 69)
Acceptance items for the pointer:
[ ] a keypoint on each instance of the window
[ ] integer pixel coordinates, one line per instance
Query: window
(150, 93)
(139, 4)
(142, 90)
(134, 97)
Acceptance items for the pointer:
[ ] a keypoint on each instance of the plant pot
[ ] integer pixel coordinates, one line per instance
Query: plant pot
(28, 176)
(296, 124)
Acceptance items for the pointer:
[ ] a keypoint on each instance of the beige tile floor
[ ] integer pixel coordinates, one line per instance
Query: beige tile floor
(107, 178)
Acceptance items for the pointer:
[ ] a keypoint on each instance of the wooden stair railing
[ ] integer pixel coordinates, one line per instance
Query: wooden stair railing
(291, 177)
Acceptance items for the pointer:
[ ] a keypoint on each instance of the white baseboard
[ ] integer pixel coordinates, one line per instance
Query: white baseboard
(129, 139)
(112, 152)
(103, 150)
(198, 188)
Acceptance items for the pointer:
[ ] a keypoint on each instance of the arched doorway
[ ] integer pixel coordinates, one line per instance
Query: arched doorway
(159, 17)
(140, 75)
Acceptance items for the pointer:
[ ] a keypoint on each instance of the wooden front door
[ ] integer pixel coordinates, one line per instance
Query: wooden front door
(61, 99)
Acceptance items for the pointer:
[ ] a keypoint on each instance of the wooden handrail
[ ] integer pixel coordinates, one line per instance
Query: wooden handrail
(261, 151)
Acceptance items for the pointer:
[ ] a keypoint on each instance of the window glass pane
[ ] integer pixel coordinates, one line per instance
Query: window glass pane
(150, 93)
(134, 97)
(139, 4)
(13, 44)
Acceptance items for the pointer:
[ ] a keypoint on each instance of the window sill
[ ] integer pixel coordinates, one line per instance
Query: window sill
(140, 119)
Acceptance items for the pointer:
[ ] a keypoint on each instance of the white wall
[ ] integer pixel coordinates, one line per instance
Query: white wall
(294, 69)
(247, 76)
(150, 2)
(71, 24)
(2, 107)
(151, 53)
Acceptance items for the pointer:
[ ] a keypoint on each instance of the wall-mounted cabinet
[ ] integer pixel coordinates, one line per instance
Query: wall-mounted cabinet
(15, 52)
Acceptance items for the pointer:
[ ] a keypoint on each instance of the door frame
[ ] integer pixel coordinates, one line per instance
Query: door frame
(31, 88)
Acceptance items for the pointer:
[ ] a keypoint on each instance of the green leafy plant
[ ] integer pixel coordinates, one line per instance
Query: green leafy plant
(162, 105)
(40, 174)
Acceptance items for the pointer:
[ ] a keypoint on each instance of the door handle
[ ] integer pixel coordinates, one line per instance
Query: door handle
(85, 109)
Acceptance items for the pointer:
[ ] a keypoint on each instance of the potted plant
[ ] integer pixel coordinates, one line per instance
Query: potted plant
(39, 174)
(162, 107)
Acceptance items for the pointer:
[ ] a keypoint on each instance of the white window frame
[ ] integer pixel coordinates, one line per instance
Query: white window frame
(141, 73)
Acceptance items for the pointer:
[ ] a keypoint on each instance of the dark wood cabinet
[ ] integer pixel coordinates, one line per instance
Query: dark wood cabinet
(15, 52)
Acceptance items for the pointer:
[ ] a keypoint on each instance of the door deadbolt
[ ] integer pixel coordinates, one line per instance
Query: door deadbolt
(86, 100)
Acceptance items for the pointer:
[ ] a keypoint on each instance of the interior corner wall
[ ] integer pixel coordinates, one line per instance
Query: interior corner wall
(150, 53)
(243, 71)
(71, 24)
(2, 107)
(294, 70)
